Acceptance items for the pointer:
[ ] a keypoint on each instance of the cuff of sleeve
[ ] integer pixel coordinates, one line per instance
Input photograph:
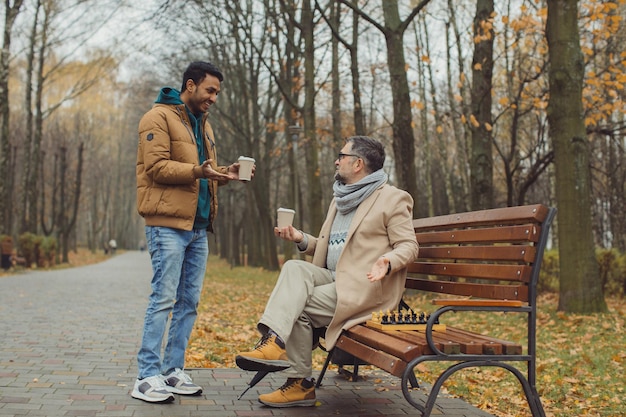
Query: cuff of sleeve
(304, 243)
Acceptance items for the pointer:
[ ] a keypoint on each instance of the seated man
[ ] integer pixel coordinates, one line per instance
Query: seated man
(358, 266)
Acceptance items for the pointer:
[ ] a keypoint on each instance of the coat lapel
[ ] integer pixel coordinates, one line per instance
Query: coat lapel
(362, 211)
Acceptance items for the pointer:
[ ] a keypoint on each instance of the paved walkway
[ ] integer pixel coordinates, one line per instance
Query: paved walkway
(68, 341)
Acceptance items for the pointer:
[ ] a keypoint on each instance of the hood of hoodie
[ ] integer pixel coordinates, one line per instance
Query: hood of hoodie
(169, 95)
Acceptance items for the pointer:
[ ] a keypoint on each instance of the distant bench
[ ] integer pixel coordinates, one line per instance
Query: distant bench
(485, 261)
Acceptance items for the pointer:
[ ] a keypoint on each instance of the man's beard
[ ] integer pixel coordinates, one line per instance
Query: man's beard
(339, 178)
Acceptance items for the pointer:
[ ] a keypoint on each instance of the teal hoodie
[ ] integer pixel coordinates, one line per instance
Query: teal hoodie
(171, 96)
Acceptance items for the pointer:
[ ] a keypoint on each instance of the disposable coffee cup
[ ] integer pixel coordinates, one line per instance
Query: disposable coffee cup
(245, 168)
(284, 217)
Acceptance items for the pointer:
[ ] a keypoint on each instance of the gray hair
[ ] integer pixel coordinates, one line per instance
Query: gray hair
(370, 150)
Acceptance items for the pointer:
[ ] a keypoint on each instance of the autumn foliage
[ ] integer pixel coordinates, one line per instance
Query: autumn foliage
(581, 358)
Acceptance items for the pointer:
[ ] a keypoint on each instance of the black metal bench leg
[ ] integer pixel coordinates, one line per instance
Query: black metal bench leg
(323, 372)
(413, 381)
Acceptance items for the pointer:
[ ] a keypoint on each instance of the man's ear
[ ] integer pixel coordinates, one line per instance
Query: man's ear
(359, 165)
(189, 85)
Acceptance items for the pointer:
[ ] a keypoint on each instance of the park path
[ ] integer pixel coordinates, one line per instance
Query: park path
(68, 340)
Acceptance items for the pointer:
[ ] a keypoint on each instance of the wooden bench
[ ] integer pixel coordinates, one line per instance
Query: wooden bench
(485, 261)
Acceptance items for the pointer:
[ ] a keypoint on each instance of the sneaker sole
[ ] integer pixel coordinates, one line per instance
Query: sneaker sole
(179, 391)
(143, 397)
(301, 403)
(250, 364)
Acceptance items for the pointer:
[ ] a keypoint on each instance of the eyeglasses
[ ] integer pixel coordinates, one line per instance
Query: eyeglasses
(341, 155)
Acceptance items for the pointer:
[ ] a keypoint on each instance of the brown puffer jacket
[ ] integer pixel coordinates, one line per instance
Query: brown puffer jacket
(167, 190)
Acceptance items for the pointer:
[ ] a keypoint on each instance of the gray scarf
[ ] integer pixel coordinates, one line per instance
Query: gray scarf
(349, 196)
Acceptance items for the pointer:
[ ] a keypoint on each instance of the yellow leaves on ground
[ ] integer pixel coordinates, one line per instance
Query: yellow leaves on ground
(233, 299)
(580, 368)
(580, 365)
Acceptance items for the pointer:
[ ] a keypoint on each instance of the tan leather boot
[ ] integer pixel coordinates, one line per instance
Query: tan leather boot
(296, 392)
(268, 355)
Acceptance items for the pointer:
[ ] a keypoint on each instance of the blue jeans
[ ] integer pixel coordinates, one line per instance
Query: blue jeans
(179, 260)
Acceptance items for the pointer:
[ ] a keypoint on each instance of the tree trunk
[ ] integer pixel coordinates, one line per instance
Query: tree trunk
(10, 13)
(359, 117)
(460, 181)
(353, 47)
(31, 184)
(403, 138)
(314, 194)
(481, 165)
(424, 206)
(441, 181)
(580, 286)
(336, 81)
(69, 202)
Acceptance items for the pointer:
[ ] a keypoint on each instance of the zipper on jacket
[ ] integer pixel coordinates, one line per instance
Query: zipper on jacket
(188, 127)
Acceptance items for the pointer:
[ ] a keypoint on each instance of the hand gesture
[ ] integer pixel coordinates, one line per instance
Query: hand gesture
(210, 173)
(379, 269)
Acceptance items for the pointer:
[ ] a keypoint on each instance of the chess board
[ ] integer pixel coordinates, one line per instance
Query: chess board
(401, 320)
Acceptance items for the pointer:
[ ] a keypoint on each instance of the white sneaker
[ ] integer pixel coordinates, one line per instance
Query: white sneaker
(179, 382)
(152, 389)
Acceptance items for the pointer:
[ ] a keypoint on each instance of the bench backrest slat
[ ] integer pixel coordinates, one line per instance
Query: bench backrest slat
(481, 254)
(493, 291)
(508, 215)
(522, 233)
(518, 253)
(480, 271)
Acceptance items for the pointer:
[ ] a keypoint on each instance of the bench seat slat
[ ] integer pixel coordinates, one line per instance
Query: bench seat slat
(508, 347)
(477, 343)
(453, 341)
(399, 348)
(380, 359)
(419, 337)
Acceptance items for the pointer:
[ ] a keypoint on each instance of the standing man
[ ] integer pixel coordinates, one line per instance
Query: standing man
(177, 180)
(358, 266)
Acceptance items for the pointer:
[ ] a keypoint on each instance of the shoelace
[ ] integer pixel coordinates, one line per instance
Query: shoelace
(156, 382)
(264, 341)
(288, 384)
(182, 375)
(186, 378)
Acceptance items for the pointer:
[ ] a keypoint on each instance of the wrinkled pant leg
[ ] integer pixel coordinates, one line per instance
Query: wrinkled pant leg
(187, 299)
(304, 297)
(318, 312)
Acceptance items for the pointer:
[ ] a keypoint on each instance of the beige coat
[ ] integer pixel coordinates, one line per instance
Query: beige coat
(382, 225)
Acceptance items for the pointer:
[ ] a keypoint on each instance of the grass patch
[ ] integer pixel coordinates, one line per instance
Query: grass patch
(580, 357)
(79, 257)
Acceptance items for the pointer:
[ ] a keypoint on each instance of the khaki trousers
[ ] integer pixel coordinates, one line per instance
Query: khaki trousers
(303, 298)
